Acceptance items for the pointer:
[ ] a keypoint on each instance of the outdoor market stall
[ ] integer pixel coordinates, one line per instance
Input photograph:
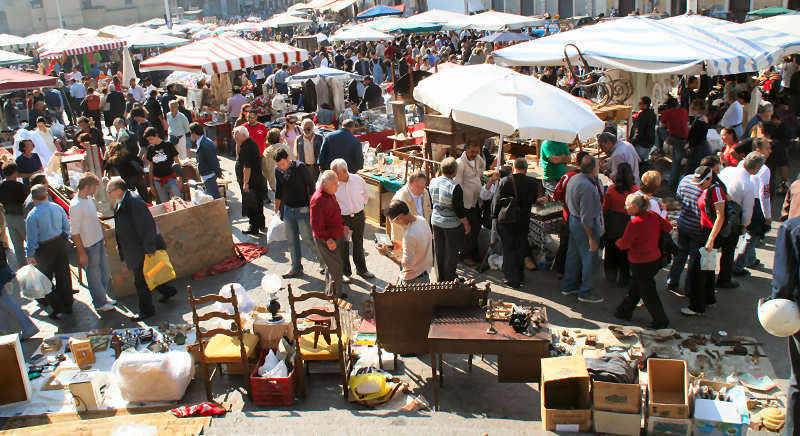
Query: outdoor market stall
(77, 44)
(10, 58)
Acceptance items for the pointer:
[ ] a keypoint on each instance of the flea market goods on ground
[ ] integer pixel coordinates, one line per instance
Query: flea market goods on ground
(520, 196)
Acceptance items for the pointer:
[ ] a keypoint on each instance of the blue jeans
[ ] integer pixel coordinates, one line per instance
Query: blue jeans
(212, 188)
(688, 247)
(169, 190)
(582, 265)
(678, 153)
(422, 278)
(98, 274)
(8, 305)
(298, 223)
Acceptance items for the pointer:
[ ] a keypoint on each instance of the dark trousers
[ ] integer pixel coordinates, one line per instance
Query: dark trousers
(561, 254)
(643, 287)
(52, 261)
(137, 182)
(728, 245)
(76, 106)
(792, 425)
(701, 292)
(616, 262)
(515, 248)
(256, 214)
(469, 249)
(446, 244)
(143, 292)
(688, 247)
(356, 225)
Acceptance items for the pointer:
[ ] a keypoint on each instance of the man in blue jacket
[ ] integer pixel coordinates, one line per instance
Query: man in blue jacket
(342, 144)
(207, 160)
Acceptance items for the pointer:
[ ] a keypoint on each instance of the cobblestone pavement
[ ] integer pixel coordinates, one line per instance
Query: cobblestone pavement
(512, 407)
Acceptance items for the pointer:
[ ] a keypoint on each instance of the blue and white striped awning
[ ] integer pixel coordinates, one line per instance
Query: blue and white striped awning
(644, 45)
(10, 58)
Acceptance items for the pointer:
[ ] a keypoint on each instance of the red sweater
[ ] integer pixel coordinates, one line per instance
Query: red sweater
(326, 216)
(615, 201)
(641, 237)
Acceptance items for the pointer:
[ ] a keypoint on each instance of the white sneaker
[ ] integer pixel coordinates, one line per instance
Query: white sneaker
(111, 300)
(106, 308)
(689, 312)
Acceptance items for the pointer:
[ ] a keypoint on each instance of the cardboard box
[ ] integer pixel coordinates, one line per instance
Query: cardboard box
(566, 400)
(657, 426)
(668, 388)
(82, 352)
(617, 397)
(14, 385)
(717, 418)
(88, 390)
(617, 423)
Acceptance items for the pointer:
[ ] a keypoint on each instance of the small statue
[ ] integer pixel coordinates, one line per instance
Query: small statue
(273, 308)
(116, 344)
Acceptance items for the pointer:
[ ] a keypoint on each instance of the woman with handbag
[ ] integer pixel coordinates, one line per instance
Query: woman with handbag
(616, 218)
(513, 200)
(641, 242)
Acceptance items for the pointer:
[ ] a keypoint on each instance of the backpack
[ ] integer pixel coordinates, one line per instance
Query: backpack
(733, 214)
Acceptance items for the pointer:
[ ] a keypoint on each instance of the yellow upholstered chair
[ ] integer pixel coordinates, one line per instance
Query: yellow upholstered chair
(327, 324)
(220, 345)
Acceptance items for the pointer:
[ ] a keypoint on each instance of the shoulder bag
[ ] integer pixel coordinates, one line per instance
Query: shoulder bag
(509, 207)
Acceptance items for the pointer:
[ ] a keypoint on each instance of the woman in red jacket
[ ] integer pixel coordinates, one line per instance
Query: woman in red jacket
(616, 220)
(641, 240)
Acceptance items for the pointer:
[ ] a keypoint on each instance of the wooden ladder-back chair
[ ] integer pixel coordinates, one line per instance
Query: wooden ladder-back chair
(307, 340)
(221, 345)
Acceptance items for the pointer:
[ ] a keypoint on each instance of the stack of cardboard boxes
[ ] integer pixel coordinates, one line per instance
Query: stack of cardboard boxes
(668, 398)
(617, 408)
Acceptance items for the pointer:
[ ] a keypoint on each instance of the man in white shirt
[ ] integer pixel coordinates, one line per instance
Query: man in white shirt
(380, 50)
(619, 152)
(741, 190)
(87, 234)
(417, 244)
(468, 175)
(137, 91)
(77, 92)
(762, 213)
(352, 197)
(734, 115)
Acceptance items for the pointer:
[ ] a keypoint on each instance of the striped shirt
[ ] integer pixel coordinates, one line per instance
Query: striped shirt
(688, 194)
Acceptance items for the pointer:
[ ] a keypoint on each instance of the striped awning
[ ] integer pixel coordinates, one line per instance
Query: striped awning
(75, 45)
(11, 80)
(223, 54)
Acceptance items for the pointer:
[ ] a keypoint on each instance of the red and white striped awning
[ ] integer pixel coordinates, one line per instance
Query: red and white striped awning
(223, 54)
(76, 44)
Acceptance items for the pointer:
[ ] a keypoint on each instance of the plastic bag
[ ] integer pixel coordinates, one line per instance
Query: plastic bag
(277, 231)
(709, 259)
(144, 377)
(368, 386)
(157, 269)
(33, 283)
(245, 303)
(270, 362)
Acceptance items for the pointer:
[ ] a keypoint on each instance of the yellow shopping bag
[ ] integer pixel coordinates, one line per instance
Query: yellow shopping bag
(157, 269)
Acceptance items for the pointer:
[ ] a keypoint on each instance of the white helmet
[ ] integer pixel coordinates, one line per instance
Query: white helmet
(779, 317)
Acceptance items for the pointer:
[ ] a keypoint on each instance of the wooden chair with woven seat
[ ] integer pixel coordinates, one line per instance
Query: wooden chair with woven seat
(327, 324)
(220, 345)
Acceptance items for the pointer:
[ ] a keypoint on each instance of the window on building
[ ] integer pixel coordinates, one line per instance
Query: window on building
(36, 4)
(128, 2)
(86, 4)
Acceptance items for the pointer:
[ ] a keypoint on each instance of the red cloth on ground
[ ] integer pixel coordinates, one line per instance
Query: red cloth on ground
(244, 252)
(202, 409)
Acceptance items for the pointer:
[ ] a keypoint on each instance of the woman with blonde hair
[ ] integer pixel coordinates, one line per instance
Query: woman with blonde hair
(651, 183)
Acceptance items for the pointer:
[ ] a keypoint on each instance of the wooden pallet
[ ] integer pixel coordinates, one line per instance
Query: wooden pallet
(103, 423)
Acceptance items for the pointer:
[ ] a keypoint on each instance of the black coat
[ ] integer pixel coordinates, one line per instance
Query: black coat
(309, 96)
(116, 103)
(136, 231)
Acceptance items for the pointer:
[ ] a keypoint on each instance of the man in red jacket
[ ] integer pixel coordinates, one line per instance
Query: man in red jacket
(327, 227)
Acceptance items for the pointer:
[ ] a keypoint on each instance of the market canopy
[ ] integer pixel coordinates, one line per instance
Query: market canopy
(149, 39)
(437, 16)
(77, 44)
(503, 101)
(788, 24)
(13, 42)
(770, 12)
(506, 37)
(360, 33)
(285, 20)
(645, 46)
(394, 24)
(12, 80)
(223, 54)
(323, 72)
(380, 11)
(11, 58)
(495, 21)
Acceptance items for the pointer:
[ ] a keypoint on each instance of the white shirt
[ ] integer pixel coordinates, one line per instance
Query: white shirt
(380, 50)
(325, 63)
(417, 249)
(352, 195)
(761, 182)
(83, 221)
(138, 93)
(308, 150)
(740, 189)
(733, 118)
(417, 200)
(468, 175)
(77, 75)
(150, 89)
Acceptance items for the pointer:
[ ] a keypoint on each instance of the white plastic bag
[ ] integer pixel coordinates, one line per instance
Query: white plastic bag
(270, 362)
(33, 283)
(245, 303)
(144, 377)
(709, 259)
(277, 231)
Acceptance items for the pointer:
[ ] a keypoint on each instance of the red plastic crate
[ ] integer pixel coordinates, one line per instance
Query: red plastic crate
(271, 391)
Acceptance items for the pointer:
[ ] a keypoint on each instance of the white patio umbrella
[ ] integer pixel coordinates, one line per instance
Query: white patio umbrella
(323, 72)
(500, 100)
(285, 20)
(360, 33)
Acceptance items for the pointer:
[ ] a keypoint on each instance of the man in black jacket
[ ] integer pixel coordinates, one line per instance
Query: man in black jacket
(644, 131)
(373, 96)
(116, 103)
(137, 236)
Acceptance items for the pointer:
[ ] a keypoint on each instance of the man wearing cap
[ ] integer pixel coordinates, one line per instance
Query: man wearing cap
(690, 233)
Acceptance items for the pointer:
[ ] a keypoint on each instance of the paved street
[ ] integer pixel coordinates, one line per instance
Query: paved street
(513, 408)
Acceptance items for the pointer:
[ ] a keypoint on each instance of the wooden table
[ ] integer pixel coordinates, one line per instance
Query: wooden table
(463, 331)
